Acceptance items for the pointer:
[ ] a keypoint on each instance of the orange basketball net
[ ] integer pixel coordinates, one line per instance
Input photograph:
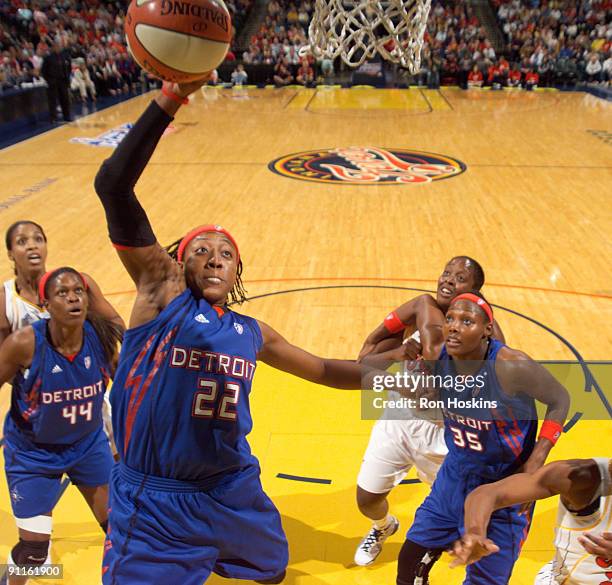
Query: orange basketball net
(356, 30)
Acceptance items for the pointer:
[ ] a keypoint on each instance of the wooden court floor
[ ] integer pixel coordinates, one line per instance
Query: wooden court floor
(533, 206)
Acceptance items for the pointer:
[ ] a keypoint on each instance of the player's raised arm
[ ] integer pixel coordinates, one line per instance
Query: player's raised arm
(576, 480)
(130, 231)
(518, 373)
(99, 305)
(279, 353)
(392, 327)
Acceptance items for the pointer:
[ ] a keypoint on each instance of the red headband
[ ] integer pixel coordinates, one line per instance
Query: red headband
(47, 275)
(476, 300)
(203, 229)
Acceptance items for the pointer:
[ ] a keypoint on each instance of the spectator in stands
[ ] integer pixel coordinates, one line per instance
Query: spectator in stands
(465, 66)
(450, 71)
(327, 69)
(214, 77)
(114, 81)
(504, 66)
(556, 37)
(81, 81)
(273, 8)
(303, 16)
(3, 83)
(56, 72)
(239, 76)
(514, 76)
(282, 75)
(565, 72)
(292, 14)
(475, 78)
(593, 69)
(531, 80)
(488, 51)
(545, 71)
(433, 68)
(128, 71)
(495, 77)
(607, 68)
(305, 74)
(98, 76)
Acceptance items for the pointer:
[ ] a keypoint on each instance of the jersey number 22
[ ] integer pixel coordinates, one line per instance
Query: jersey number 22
(207, 405)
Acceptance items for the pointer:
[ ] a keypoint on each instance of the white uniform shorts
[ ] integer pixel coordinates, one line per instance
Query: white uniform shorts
(394, 447)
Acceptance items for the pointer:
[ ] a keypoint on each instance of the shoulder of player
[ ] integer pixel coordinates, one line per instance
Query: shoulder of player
(271, 337)
(19, 345)
(513, 367)
(584, 482)
(22, 336)
(510, 354)
(583, 472)
(267, 333)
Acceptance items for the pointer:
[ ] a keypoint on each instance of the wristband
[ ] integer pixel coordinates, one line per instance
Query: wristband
(551, 430)
(393, 324)
(175, 97)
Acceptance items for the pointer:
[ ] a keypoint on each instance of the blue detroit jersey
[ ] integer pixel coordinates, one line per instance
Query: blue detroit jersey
(56, 400)
(180, 397)
(491, 442)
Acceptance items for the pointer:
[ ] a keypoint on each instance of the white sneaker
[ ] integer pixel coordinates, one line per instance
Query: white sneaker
(371, 546)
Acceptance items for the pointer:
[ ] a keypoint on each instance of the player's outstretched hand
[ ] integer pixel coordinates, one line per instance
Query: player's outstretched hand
(597, 544)
(411, 349)
(184, 89)
(471, 548)
(367, 349)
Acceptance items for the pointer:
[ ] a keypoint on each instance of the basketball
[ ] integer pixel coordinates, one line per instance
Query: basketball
(178, 40)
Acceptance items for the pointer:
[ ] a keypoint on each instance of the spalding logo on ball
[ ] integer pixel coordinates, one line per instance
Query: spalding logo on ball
(178, 41)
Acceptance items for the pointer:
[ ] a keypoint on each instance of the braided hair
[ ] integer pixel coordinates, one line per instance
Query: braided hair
(237, 295)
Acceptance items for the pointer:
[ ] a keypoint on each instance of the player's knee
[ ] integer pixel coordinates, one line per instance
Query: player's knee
(277, 579)
(365, 499)
(30, 552)
(414, 563)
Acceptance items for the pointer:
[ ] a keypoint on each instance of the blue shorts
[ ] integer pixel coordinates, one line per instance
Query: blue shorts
(439, 522)
(34, 474)
(167, 531)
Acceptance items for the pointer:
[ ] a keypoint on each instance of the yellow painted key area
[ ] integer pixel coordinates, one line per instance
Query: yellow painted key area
(533, 206)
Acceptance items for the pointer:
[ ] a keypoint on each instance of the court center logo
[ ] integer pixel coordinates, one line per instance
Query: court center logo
(369, 165)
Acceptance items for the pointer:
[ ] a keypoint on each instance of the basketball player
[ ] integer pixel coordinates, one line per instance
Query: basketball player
(585, 509)
(396, 445)
(490, 434)
(60, 368)
(26, 244)
(186, 498)
(459, 273)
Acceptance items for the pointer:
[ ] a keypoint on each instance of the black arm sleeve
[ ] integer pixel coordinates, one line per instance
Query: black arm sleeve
(127, 221)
